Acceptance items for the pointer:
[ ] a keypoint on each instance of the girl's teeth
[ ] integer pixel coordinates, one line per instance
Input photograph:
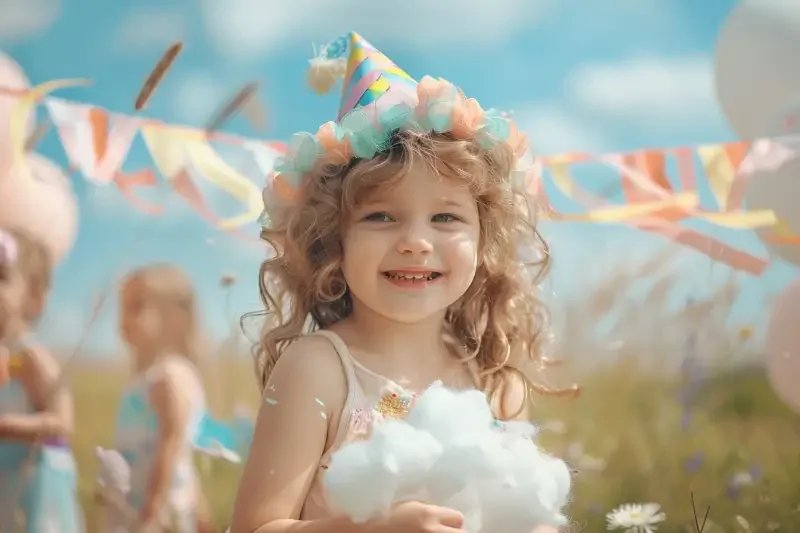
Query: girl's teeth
(410, 276)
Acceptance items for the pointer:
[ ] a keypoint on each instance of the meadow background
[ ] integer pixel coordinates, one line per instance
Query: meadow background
(642, 429)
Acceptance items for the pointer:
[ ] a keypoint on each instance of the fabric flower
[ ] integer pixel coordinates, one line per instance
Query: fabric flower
(517, 140)
(333, 143)
(636, 517)
(437, 98)
(467, 117)
(284, 190)
(362, 133)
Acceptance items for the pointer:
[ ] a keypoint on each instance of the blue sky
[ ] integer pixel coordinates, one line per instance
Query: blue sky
(594, 75)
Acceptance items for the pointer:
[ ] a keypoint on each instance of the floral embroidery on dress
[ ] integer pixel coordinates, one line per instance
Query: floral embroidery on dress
(395, 402)
(361, 421)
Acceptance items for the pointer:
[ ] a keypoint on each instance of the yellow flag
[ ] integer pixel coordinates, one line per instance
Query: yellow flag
(176, 149)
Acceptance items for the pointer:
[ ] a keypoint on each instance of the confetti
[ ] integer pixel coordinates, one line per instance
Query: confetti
(157, 74)
(227, 281)
(320, 402)
(271, 401)
(323, 415)
(238, 102)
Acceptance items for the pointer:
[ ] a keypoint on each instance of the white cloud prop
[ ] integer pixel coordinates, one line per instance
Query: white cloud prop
(450, 451)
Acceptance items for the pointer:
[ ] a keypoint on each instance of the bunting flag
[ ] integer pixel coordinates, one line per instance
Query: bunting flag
(97, 143)
(176, 151)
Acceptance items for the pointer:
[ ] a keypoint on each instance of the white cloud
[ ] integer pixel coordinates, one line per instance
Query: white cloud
(552, 130)
(152, 28)
(22, 19)
(667, 90)
(247, 29)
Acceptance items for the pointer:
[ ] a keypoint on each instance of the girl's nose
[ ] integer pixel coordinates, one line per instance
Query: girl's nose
(415, 239)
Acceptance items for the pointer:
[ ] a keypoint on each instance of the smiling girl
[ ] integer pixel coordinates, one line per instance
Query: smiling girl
(396, 231)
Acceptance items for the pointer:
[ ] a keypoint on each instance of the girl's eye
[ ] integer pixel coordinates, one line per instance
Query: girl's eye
(444, 217)
(378, 217)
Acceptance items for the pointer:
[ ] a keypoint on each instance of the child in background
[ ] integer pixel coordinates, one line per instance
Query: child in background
(397, 233)
(38, 481)
(162, 409)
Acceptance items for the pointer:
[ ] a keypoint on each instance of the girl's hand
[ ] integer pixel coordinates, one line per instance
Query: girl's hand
(417, 517)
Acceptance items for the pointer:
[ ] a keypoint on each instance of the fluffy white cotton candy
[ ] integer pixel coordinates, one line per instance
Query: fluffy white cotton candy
(365, 478)
(447, 414)
(407, 452)
(357, 484)
(532, 490)
(451, 452)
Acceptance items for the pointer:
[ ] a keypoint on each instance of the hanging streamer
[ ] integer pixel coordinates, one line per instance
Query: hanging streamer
(129, 182)
(559, 169)
(176, 150)
(708, 246)
(733, 220)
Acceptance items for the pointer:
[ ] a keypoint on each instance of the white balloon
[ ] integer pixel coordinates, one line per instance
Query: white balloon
(755, 65)
(778, 190)
(783, 346)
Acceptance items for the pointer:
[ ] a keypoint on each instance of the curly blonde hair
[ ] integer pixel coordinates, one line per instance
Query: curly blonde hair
(499, 322)
(35, 264)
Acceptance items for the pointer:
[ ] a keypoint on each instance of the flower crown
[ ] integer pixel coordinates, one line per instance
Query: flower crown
(365, 130)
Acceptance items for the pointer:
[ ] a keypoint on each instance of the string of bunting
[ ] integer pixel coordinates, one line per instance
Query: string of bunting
(97, 141)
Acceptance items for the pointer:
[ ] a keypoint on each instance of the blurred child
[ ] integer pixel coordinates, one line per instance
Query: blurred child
(37, 469)
(163, 407)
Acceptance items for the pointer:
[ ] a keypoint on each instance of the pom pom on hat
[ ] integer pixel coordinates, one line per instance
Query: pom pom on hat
(323, 73)
(328, 66)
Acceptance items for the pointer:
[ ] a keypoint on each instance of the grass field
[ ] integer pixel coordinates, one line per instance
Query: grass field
(627, 433)
(657, 421)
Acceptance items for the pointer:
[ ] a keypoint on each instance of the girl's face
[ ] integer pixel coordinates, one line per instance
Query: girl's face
(138, 323)
(412, 251)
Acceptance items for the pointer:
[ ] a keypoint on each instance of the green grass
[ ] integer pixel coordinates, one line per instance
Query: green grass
(625, 416)
(627, 419)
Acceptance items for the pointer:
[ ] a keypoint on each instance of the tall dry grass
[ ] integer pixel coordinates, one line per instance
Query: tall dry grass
(673, 402)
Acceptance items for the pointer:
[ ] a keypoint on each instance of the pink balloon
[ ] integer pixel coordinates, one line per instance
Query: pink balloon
(783, 345)
(42, 204)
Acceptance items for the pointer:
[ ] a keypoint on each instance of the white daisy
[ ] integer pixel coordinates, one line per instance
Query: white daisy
(636, 517)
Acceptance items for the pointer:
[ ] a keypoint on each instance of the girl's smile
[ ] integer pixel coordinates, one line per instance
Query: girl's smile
(412, 279)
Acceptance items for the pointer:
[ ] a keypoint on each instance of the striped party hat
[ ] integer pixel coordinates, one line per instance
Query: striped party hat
(367, 73)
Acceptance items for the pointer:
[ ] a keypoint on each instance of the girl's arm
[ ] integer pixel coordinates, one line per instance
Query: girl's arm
(171, 406)
(301, 408)
(513, 404)
(40, 376)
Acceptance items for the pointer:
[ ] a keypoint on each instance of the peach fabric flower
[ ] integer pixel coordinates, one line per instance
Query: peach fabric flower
(516, 140)
(282, 189)
(332, 146)
(467, 117)
(431, 91)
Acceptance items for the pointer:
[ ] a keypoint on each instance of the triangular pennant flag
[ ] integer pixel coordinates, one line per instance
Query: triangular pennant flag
(96, 142)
